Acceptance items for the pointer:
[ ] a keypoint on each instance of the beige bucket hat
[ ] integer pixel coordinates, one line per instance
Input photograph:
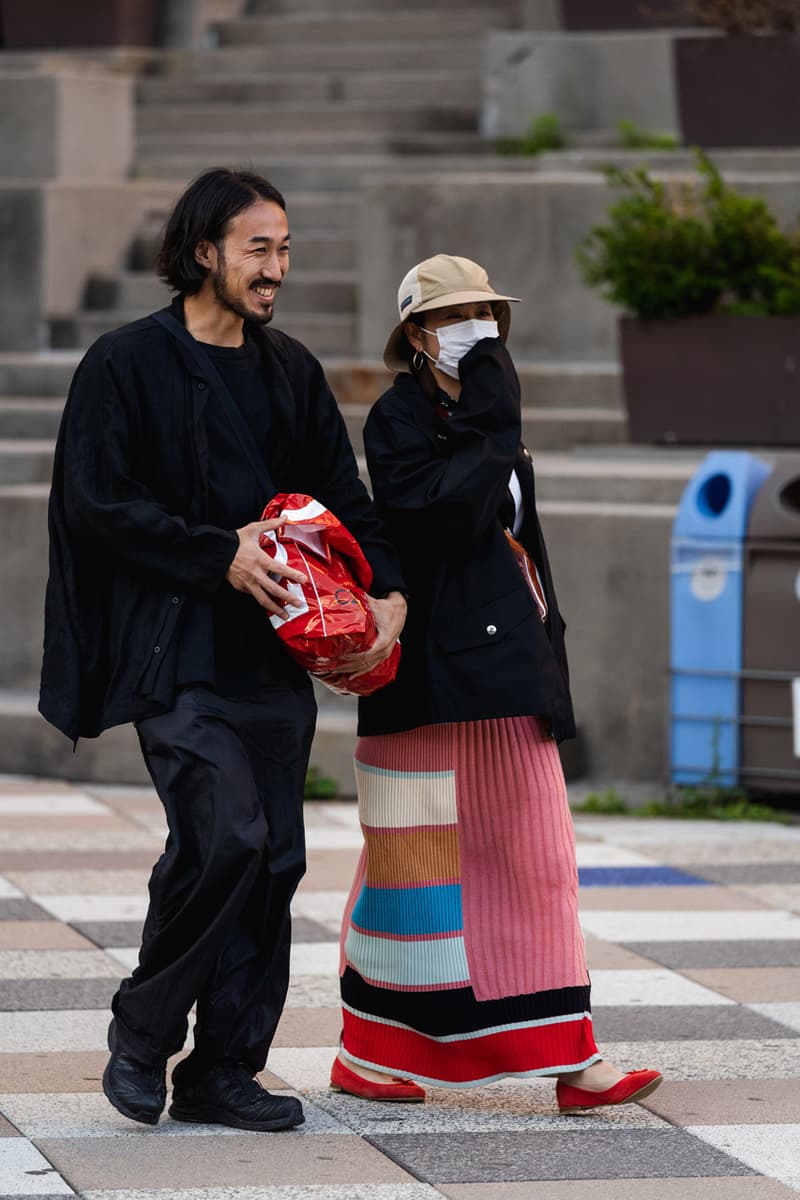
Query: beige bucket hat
(434, 283)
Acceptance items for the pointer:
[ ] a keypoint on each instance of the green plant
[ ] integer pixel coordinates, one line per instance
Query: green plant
(688, 247)
(319, 787)
(706, 802)
(714, 804)
(632, 137)
(748, 16)
(607, 803)
(545, 132)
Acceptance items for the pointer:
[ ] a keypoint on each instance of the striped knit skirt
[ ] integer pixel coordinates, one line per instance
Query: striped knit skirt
(462, 956)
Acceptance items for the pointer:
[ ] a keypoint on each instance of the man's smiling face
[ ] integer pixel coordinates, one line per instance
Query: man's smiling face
(247, 268)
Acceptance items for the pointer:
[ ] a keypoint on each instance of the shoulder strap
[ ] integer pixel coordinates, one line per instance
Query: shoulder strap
(221, 391)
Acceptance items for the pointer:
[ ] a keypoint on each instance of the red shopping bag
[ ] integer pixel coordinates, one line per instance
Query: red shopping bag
(329, 616)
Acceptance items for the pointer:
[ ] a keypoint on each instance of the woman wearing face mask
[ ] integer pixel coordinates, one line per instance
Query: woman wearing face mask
(462, 956)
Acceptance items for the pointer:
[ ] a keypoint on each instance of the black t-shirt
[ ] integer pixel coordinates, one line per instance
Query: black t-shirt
(227, 642)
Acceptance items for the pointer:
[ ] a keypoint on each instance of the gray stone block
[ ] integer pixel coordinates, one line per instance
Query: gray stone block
(23, 538)
(21, 909)
(737, 953)
(579, 1154)
(22, 284)
(524, 227)
(679, 1022)
(611, 569)
(34, 995)
(111, 934)
(56, 124)
(591, 81)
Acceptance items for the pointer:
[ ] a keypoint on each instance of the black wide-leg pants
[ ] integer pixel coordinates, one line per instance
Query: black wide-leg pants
(230, 774)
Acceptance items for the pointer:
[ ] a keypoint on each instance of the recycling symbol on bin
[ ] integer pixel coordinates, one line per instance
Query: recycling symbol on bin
(709, 577)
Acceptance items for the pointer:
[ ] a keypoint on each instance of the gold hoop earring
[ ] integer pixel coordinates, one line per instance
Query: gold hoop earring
(418, 361)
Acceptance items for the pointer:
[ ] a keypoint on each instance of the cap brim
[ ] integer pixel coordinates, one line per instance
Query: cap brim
(394, 355)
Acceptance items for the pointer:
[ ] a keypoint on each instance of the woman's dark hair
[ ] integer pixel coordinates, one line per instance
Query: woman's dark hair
(202, 215)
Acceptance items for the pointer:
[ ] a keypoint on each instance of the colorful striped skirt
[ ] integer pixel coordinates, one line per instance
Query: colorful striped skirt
(462, 956)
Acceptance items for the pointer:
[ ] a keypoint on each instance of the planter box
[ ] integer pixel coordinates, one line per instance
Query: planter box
(624, 14)
(722, 381)
(48, 24)
(738, 91)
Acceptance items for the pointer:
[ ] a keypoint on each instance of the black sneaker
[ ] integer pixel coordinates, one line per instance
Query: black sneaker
(137, 1090)
(229, 1095)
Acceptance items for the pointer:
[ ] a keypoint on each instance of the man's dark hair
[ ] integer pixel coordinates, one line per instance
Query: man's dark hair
(202, 215)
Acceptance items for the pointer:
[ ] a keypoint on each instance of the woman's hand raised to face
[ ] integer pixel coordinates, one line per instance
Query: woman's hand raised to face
(252, 568)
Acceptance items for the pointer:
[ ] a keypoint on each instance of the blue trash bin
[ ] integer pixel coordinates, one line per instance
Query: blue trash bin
(707, 617)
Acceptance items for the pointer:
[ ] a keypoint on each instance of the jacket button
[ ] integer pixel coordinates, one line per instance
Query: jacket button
(176, 599)
(156, 649)
(491, 630)
(201, 387)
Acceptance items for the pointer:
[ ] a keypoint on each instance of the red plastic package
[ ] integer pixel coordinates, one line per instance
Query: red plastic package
(329, 615)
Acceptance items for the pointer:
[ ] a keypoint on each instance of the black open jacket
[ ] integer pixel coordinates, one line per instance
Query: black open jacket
(129, 537)
(474, 646)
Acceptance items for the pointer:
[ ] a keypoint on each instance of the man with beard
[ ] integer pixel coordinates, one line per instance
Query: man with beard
(177, 430)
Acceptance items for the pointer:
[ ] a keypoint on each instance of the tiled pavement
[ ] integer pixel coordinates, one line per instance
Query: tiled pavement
(693, 932)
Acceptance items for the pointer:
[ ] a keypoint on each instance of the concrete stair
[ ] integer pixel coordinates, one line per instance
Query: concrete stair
(350, 26)
(251, 56)
(277, 8)
(328, 333)
(29, 417)
(293, 116)
(394, 83)
(321, 86)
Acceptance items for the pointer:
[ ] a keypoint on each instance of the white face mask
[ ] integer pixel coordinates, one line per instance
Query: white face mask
(457, 340)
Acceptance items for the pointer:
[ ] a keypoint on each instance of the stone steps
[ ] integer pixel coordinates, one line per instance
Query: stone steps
(730, 162)
(266, 144)
(248, 56)
(307, 87)
(270, 8)
(310, 250)
(26, 460)
(29, 417)
(302, 291)
(250, 119)
(323, 333)
(543, 429)
(348, 27)
(334, 173)
(45, 374)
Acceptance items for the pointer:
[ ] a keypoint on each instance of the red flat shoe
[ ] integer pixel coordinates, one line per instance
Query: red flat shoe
(633, 1086)
(344, 1080)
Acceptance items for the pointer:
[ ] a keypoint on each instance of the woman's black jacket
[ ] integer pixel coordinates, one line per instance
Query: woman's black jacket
(474, 646)
(129, 533)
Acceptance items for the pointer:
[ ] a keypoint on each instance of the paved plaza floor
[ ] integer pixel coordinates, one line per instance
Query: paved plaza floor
(693, 935)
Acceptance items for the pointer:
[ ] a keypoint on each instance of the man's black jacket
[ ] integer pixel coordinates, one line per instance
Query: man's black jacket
(129, 537)
(474, 646)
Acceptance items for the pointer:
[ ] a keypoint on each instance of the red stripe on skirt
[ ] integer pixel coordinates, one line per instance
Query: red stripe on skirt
(561, 1045)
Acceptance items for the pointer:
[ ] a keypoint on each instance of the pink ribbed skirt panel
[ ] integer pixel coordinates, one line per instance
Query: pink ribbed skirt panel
(519, 877)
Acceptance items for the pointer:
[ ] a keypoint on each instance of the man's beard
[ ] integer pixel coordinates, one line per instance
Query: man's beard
(219, 278)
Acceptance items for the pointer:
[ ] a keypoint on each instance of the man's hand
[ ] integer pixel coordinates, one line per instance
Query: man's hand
(390, 617)
(251, 567)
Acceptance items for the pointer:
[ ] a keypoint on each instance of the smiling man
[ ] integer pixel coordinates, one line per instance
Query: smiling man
(177, 430)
